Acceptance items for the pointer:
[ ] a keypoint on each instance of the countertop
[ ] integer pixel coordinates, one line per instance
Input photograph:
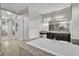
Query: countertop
(55, 32)
(59, 48)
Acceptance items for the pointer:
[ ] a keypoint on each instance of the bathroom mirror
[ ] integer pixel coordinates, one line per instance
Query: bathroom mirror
(59, 26)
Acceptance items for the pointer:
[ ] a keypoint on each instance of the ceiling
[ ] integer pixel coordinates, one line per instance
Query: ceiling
(64, 13)
(40, 7)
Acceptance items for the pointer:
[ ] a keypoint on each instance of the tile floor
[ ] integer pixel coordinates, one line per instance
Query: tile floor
(13, 47)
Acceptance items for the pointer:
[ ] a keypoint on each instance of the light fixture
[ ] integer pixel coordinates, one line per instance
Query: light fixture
(64, 22)
(59, 17)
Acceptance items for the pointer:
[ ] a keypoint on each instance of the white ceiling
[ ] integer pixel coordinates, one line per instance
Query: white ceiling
(40, 7)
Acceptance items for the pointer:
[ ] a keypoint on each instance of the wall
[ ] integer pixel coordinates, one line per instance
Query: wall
(45, 27)
(34, 23)
(0, 11)
(29, 27)
(19, 30)
(0, 22)
(26, 28)
(23, 26)
(75, 23)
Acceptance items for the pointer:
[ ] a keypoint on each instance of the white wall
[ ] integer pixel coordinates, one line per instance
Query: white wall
(0, 21)
(26, 28)
(19, 31)
(23, 26)
(75, 22)
(34, 23)
(29, 28)
(45, 27)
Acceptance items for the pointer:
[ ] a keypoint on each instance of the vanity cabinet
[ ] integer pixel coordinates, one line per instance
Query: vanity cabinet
(59, 36)
(50, 35)
(62, 36)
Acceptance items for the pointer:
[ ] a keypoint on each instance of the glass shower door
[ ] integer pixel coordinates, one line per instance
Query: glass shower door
(8, 24)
